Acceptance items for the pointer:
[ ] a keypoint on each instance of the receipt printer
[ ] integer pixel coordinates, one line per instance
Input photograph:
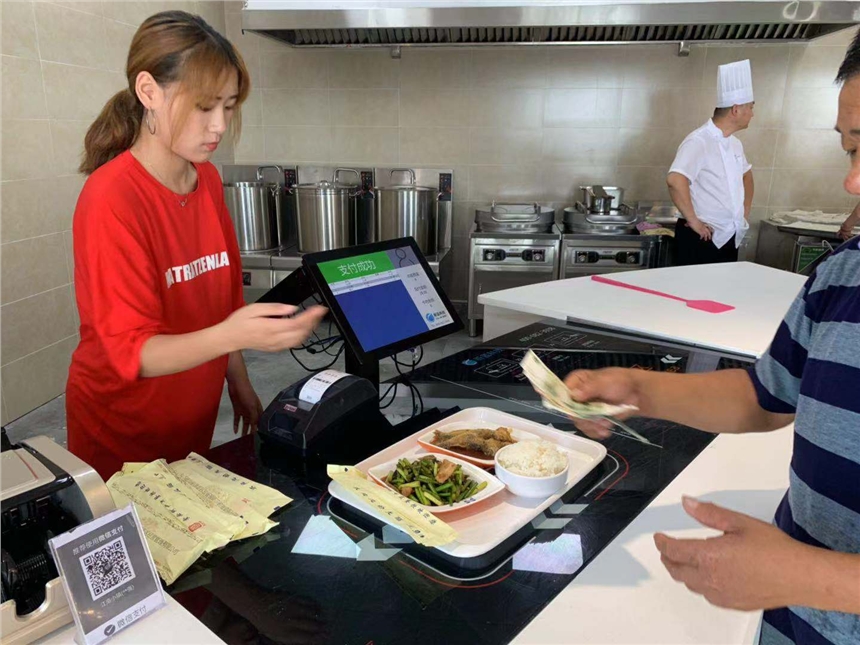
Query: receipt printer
(332, 416)
(46, 491)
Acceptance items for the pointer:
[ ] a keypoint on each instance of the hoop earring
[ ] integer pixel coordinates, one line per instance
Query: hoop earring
(150, 125)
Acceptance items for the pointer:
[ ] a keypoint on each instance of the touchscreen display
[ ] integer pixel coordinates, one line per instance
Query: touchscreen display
(386, 296)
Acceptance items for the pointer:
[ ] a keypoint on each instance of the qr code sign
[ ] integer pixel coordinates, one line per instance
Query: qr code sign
(107, 567)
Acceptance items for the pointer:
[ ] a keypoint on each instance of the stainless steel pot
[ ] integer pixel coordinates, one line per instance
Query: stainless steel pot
(283, 229)
(407, 210)
(621, 222)
(255, 209)
(602, 199)
(518, 218)
(326, 214)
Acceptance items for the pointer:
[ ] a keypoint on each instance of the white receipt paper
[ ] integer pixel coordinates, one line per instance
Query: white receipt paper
(313, 390)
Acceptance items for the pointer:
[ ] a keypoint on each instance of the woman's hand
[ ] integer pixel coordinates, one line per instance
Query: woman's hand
(247, 407)
(613, 385)
(269, 327)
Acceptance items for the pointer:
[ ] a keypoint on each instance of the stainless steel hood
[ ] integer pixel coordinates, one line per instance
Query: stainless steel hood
(356, 23)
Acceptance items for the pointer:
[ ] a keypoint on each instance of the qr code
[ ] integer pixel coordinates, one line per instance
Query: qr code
(107, 567)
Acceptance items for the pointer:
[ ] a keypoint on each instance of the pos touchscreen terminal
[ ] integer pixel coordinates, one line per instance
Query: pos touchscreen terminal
(384, 299)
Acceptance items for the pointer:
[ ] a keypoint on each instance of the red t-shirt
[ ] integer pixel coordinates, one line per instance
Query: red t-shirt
(145, 265)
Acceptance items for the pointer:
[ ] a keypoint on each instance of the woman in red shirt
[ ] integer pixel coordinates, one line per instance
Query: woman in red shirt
(157, 269)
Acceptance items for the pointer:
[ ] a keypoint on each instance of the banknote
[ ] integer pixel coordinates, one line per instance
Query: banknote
(556, 395)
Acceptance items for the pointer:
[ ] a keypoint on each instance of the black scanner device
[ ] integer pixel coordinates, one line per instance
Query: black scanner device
(344, 424)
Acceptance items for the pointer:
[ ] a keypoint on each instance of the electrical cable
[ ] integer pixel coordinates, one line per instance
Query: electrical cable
(405, 378)
(311, 347)
(324, 367)
(393, 386)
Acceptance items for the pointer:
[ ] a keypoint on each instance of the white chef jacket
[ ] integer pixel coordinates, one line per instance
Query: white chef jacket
(715, 165)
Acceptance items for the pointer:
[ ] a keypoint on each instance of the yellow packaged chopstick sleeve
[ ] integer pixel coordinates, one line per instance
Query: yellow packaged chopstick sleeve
(159, 470)
(178, 530)
(218, 497)
(131, 467)
(263, 499)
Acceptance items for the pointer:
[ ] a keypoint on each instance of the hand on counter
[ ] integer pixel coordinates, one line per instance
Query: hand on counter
(753, 565)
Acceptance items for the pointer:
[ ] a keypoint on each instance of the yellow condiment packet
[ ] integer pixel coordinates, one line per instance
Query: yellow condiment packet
(407, 515)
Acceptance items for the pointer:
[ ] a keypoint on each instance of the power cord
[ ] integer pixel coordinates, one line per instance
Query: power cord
(319, 345)
(417, 357)
(391, 387)
(323, 367)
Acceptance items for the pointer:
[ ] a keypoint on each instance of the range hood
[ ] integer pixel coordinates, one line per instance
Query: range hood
(427, 23)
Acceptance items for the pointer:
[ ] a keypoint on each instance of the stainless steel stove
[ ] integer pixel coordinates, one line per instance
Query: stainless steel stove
(584, 254)
(596, 243)
(504, 260)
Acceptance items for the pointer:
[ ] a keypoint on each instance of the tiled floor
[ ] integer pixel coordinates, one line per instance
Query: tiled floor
(270, 373)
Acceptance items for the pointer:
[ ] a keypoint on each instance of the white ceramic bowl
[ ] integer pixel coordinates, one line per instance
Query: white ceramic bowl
(524, 486)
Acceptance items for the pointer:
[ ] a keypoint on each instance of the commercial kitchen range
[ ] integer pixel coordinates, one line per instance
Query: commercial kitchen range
(515, 245)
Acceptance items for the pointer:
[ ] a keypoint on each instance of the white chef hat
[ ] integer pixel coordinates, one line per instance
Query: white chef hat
(734, 84)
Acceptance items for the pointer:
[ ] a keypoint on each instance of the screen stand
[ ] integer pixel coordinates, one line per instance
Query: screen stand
(368, 369)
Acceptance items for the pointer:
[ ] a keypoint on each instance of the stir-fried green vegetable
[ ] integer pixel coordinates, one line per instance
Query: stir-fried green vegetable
(432, 482)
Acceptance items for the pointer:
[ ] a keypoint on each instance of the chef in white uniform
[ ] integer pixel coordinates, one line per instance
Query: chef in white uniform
(711, 180)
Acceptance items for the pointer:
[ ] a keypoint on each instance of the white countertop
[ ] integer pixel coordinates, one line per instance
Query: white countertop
(625, 595)
(761, 296)
(170, 624)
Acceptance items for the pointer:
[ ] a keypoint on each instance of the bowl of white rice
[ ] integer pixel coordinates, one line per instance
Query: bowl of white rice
(532, 468)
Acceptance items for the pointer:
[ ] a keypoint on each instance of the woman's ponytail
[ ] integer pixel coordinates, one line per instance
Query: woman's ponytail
(173, 47)
(113, 132)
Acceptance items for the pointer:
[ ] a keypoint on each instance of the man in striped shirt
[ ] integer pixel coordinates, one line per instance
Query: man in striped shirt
(805, 571)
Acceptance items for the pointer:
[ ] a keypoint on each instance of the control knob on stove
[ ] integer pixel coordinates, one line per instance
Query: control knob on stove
(627, 257)
(539, 256)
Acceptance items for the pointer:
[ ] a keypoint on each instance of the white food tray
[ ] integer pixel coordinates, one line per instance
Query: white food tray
(488, 524)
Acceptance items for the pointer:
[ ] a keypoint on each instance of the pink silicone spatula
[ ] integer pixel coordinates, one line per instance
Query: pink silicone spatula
(709, 306)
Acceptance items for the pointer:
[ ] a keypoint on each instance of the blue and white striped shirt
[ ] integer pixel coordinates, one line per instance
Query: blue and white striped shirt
(812, 369)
